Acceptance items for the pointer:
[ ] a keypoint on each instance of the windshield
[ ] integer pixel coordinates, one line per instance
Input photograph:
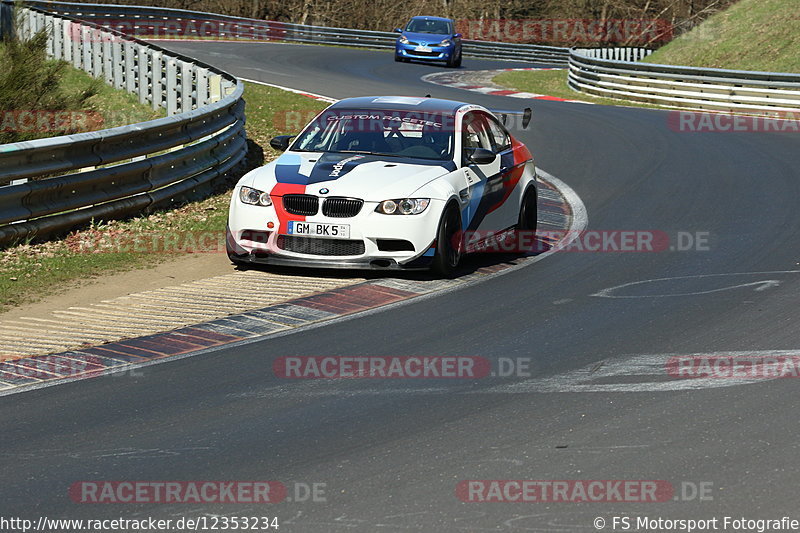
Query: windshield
(439, 27)
(382, 132)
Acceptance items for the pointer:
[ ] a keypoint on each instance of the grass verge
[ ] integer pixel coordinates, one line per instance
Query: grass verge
(29, 272)
(749, 35)
(554, 83)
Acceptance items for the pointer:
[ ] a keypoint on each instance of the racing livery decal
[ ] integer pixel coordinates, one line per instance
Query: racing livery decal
(495, 190)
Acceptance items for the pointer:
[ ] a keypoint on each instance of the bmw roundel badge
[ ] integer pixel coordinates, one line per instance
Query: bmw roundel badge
(324, 191)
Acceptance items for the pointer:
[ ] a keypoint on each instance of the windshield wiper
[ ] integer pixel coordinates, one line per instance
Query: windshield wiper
(365, 153)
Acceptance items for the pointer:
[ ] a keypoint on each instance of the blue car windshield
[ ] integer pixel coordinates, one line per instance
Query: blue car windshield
(411, 134)
(439, 27)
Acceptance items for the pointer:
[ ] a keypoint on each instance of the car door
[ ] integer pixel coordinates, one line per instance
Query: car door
(508, 197)
(485, 182)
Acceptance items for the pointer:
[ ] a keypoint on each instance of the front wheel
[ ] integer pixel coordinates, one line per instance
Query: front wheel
(528, 217)
(448, 243)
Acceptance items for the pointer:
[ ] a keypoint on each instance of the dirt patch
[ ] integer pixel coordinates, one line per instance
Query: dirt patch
(182, 269)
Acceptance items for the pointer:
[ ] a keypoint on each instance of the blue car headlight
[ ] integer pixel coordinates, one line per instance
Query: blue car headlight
(446, 42)
(403, 39)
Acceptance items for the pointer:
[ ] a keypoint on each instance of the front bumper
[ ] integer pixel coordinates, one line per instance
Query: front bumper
(437, 53)
(250, 239)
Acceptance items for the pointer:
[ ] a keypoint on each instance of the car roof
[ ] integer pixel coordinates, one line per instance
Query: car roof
(425, 17)
(401, 103)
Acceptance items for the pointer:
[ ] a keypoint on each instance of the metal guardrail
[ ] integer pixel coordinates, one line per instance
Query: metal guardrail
(609, 74)
(126, 170)
(141, 20)
(6, 21)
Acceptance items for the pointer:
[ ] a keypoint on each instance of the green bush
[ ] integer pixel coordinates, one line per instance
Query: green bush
(30, 81)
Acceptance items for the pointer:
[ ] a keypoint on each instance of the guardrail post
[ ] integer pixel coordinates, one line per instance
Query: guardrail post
(97, 53)
(117, 63)
(157, 80)
(27, 25)
(57, 37)
(108, 62)
(188, 93)
(86, 46)
(130, 67)
(66, 32)
(202, 87)
(172, 85)
(46, 23)
(76, 37)
(143, 56)
(214, 88)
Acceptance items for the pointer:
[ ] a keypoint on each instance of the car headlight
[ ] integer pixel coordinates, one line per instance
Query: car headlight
(403, 206)
(251, 196)
(446, 42)
(403, 39)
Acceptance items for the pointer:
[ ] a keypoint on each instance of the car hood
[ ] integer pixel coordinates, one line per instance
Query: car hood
(372, 178)
(428, 38)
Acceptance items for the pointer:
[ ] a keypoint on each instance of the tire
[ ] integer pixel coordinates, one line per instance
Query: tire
(457, 63)
(398, 58)
(528, 212)
(448, 255)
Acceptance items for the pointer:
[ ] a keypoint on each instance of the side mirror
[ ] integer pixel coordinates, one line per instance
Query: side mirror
(481, 156)
(457, 36)
(398, 30)
(526, 117)
(281, 142)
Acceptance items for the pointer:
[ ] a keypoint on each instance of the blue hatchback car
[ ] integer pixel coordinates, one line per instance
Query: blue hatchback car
(430, 39)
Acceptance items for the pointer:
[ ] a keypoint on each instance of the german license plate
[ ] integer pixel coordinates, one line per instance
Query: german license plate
(422, 49)
(319, 229)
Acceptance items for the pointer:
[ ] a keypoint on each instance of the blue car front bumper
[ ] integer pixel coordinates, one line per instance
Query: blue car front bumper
(430, 53)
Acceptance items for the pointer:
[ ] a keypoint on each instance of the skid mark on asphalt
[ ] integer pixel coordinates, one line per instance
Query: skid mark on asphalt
(703, 284)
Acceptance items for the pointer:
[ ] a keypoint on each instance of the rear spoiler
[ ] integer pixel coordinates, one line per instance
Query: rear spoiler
(505, 116)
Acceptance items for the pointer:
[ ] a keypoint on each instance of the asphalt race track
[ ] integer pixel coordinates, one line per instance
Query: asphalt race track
(391, 452)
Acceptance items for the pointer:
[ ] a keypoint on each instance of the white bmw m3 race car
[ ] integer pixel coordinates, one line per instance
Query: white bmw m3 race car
(385, 182)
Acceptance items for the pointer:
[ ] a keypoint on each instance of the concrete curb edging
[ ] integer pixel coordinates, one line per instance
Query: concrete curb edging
(480, 81)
